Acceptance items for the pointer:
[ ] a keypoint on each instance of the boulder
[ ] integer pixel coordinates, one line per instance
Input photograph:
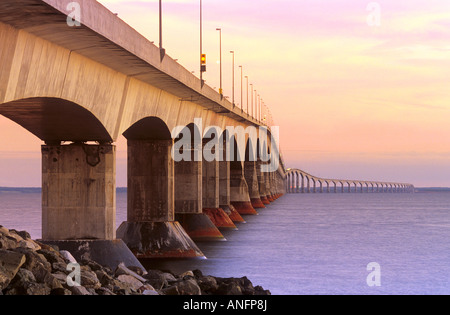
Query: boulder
(123, 270)
(189, 287)
(208, 284)
(10, 263)
(134, 283)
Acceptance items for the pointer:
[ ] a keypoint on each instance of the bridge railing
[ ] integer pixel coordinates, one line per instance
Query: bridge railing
(299, 181)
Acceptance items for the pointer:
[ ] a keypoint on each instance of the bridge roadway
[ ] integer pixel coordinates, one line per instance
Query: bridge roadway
(298, 181)
(78, 89)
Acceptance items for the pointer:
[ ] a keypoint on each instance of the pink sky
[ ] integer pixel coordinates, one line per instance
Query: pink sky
(351, 100)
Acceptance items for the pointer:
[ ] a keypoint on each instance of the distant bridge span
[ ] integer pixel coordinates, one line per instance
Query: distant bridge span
(298, 181)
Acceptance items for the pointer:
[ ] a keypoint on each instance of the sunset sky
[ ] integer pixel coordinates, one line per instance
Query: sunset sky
(352, 100)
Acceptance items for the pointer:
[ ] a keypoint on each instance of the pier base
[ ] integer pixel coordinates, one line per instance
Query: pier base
(199, 227)
(233, 214)
(264, 200)
(244, 207)
(220, 218)
(108, 253)
(158, 240)
(257, 203)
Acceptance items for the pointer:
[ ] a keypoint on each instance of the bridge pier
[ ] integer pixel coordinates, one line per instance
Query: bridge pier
(211, 196)
(151, 230)
(239, 192)
(263, 185)
(79, 202)
(268, 186)
(225, 192)
(189, 199)
(251, 178)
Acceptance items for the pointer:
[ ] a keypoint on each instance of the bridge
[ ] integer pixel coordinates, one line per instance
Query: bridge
(79, 88)
(298, 181)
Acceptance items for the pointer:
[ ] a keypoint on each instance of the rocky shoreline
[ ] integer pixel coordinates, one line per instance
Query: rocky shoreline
(28, 267)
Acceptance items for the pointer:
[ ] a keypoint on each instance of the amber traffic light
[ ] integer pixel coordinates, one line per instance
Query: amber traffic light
(203, 62)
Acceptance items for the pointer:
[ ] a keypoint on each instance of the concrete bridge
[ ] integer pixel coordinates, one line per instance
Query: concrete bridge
(298, 181)
(78, 88)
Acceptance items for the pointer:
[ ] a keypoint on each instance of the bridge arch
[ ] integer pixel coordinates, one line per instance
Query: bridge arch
(55, 119)
(87, 191)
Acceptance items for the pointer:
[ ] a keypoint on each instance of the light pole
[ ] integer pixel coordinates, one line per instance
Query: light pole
(162, 51)
(247, 94)
(252, 98)
(241, 86)
(220, 48)
(256, 104)
(202, 66)
(232, 81)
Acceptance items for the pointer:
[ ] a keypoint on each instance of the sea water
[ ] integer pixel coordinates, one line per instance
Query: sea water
(314, 243)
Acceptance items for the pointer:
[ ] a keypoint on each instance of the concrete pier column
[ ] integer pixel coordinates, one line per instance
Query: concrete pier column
(151, 230)
(189, 200)
(253, 186)
(211, 196)
(239, 192)
(268, 186)
(79, 202)
(225, 192)
(262, 183)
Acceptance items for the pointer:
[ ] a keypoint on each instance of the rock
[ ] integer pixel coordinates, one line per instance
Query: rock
(10, 263)
(7, 240)
(189, 287)
(34, 261)
(59, 266)
(137, 270)
(104, 291)
(60, 291)
(188, 274)
(156, 279)
(13, 235)
(197, 273)
(134, 283)
(169, 277)
(89, 279)
(60, 276)
(172, 290)
(208, 284)
(123, 270)
(52, 256)
(260, 291)
(68, 256)
(229, 287)
(21, 282)
(51, 281)
(23, 234)
(32, 288)
(29, 267)
(79, 290)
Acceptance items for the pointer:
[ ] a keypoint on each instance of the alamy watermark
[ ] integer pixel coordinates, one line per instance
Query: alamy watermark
(374, 17)
(374, 277)
(74, 16)
(232, 144)
(74, 277)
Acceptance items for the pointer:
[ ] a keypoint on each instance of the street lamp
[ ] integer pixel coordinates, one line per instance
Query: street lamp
(202, 57)
(256, 104)
(232, 52)
(162, 51)
(247, 94)
(220, 48)
(241, 86)
(252, 98)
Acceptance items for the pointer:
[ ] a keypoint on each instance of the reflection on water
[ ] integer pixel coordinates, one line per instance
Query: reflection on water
(314, 243)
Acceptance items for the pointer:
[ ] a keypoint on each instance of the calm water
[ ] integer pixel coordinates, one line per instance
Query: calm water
(315, 243)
